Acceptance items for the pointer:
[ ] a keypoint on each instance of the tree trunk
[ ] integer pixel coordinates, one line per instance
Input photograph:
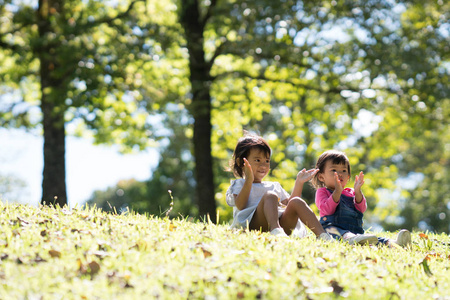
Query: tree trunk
(200, 108)
(54, 174)
(203, 159)
(52, 106)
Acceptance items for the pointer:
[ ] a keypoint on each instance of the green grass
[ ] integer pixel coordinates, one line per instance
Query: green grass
(51, 253)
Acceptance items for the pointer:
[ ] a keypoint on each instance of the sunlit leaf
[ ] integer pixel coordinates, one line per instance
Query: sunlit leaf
(54, 253)
(425, 266)
(94, 267)
(206, 253)
(433, 254)
(81, 267)
(337, 288)
(100, 253)
(66, 212)
(423, 236)
(23, 222)
(39, 259)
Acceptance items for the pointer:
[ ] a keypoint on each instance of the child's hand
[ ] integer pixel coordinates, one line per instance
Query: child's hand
(248, 172)
(304, 175)
(359, 181)
(338, 188)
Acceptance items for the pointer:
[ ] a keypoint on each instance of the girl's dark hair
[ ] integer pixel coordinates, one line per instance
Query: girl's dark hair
(243, 147)
(337, 158)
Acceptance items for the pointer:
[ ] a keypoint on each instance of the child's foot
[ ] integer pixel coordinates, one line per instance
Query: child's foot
(278, 232)
(361, 239)
(403, 238)
(324, 236)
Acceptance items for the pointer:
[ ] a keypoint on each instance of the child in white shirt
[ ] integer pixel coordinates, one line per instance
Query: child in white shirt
(265, 205)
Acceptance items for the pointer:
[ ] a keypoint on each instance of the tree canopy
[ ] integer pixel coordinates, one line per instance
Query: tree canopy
(369, 78)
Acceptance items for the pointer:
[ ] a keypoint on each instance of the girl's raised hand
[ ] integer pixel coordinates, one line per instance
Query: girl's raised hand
(359, 181)
(306, 175)
(248, 172)
(338, 188)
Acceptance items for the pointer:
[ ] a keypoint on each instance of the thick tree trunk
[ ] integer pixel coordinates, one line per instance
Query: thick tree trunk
(53, 108)
(201, 111)
(200, 108)
(54, 174)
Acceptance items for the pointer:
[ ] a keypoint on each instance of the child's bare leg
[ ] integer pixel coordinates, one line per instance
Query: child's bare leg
(297, 208)
(266, 214)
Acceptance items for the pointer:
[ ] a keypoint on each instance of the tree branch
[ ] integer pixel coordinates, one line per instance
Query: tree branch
(119, 16)
(208, 13)
(219, 51)
(13, 47)
(106, 20)
(242, 74)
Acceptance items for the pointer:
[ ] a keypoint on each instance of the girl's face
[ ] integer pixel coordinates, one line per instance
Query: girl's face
(260, 163)
(327, 176)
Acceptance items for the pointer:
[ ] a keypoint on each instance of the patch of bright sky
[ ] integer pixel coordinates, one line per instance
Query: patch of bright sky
(411, 181)
(366, 123)
(34, 3)
(88, 167)
(387, 197)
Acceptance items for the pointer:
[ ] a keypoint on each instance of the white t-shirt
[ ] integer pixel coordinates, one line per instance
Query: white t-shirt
(242, 217)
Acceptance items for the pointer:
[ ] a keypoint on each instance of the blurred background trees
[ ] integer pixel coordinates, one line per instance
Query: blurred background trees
(368, 78)
(66, 58)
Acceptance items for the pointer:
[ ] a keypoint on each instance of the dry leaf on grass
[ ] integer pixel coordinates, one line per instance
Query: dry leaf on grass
(54, 253)
(423, 236)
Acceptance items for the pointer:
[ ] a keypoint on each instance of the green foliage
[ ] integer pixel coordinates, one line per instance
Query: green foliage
(414, 109)
(282, 77)
(87, 253)
(369, 78)
(276, 78)
(174, 173)
(100, 61)
(80, 64)
(363, 95)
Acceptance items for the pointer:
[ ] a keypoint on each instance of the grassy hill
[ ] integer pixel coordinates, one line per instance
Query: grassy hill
(49, 253)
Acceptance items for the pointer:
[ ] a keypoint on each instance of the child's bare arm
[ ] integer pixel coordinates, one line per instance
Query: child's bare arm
(242, 198)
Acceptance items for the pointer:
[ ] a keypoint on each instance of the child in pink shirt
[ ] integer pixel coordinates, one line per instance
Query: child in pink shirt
(341, 209)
